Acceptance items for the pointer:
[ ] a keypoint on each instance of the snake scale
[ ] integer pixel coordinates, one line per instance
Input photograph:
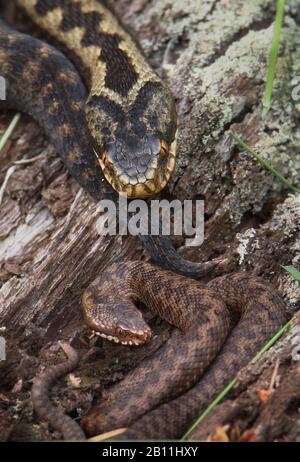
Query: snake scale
(113, 122)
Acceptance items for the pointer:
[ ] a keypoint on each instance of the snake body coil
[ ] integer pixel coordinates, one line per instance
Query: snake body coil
(116, 120)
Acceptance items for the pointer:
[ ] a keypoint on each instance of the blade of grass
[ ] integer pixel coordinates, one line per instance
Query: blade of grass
(293, 271)
(9, 131)
(264, 163)
(209, 408)
(229, 387)
(273, 57)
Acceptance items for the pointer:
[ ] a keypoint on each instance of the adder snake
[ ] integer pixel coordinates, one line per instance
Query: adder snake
(117, 128)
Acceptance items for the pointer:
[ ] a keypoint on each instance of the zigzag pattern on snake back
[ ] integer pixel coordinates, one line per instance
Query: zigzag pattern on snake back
(161, 397)
(122, 119)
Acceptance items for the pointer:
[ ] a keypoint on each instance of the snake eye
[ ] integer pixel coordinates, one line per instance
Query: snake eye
(164, 149)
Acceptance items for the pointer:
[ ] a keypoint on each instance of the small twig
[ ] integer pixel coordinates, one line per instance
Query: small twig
(273, 340)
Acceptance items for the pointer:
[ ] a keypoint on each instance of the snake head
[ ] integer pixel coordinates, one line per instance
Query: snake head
(135, 143)
(116, 320)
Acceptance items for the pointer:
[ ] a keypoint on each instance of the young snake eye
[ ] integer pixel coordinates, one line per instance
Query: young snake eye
(164, 149)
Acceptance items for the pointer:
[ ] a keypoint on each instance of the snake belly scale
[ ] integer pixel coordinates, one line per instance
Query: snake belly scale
(115, 125)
